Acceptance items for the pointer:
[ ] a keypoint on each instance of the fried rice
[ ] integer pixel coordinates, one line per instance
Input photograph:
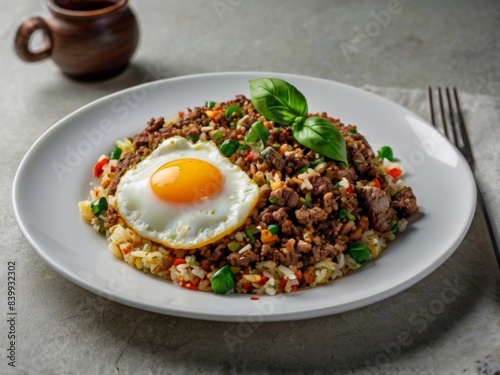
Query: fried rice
(319, 210)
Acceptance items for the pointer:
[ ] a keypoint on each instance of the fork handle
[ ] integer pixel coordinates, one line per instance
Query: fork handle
(493, 233)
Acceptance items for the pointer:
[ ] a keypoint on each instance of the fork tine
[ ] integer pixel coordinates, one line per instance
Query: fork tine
(463, 131)
(452, 117)
(466, 151)
(431, 106)
(443, 115)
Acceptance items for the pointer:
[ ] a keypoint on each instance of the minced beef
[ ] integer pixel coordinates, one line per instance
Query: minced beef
(312, 223)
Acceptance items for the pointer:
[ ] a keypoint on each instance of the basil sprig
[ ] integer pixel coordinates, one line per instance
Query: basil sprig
(279, 101)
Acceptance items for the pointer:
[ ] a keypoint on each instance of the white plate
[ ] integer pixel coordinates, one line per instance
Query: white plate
(56, 172)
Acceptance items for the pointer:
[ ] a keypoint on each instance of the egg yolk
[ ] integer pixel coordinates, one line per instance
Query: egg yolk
(186, 181)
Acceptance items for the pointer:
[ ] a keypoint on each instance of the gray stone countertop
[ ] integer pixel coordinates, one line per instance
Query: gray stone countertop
(64, 329)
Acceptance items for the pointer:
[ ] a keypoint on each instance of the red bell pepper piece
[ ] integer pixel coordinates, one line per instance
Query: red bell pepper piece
(394, 172)
(99, 166)
(179, 261)
(188, 285)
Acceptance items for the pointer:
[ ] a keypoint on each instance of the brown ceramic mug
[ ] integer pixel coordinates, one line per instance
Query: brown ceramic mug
(86, 39)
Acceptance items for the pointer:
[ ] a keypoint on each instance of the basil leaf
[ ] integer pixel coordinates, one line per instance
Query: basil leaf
(359, 252)
(223, 280)
(277, 100)
(321, 136)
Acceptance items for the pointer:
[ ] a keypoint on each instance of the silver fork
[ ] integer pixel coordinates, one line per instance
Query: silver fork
(460, 138)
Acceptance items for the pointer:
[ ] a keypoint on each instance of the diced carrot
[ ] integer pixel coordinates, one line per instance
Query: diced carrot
(299, 275)
(276, 185)
(350, 189)
(211, 114)
(309, 275)
(266, 236)
(376, 183)
(125, 248)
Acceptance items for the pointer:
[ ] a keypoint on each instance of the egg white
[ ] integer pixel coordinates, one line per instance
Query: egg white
(181, 225)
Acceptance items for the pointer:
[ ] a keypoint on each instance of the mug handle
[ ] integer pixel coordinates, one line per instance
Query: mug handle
(23, 36)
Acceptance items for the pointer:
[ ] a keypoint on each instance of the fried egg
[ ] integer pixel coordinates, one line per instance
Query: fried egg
(185, 195)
